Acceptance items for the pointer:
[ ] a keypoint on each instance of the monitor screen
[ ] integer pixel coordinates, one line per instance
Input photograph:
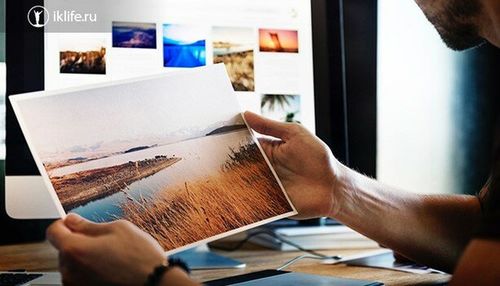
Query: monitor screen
(266, 46)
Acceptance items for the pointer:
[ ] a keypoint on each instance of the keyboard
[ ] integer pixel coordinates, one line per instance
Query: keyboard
(14, 279)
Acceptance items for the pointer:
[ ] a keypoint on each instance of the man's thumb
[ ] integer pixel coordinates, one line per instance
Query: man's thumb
(267, 126)
(80, 225)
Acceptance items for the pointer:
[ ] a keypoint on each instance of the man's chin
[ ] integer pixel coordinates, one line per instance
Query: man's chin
(462, 46)
(465, 40)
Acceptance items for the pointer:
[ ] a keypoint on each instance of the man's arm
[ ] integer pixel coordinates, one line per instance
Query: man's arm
(431, 229)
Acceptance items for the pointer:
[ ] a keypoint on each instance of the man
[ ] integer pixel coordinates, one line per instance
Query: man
(459, 234)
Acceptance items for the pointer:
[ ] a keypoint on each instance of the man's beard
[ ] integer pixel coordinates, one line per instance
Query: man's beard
(456, 23)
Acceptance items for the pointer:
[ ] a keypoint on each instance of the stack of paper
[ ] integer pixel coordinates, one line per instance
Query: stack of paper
(327, 237)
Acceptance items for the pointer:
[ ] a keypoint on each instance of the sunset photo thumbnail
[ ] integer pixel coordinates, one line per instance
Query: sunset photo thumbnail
(278, 41)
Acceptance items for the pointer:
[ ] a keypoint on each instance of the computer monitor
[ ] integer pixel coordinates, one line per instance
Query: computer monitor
(284, 58)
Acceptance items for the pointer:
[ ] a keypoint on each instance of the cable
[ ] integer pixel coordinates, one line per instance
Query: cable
(344, 81)
(305, 256)
(281, 239)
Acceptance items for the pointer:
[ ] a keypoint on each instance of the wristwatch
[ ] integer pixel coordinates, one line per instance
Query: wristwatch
(155, 277)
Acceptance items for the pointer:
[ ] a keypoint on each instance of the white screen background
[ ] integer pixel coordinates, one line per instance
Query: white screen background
(274, 73)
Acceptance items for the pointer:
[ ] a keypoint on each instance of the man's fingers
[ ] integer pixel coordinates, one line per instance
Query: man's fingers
(78, 224)
(57, 233)
(269, 145)
(268, 127)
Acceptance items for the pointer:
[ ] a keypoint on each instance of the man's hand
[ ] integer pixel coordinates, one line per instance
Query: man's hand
(305, 165)
(117, 253)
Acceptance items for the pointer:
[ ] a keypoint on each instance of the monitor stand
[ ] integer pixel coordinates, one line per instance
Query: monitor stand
(315, 231)
(41, 206)
(313, 223)
(201, 258)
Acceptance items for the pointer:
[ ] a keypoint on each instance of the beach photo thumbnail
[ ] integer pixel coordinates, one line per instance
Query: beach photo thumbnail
(279, 41)
(234, 46)
(134, 35)
(281, 107)
(184, 46)
(174, 165)
(82, 56)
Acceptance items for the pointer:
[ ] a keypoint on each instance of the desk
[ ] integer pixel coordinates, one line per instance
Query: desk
(42, 257)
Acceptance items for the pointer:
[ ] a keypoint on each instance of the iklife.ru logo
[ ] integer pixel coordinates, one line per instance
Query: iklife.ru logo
(39, 16)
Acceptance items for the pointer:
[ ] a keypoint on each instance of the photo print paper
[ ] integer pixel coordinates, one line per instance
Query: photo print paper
(171, 153)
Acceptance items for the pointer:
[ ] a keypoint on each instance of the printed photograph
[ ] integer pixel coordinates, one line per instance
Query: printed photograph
(82, 56)
(234, 47)
(281, 107)
(278, 41)
(184, 46)
(177, 166)
(134, 35)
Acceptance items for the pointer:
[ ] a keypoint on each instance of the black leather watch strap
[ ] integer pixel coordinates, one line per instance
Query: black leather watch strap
(156, 276)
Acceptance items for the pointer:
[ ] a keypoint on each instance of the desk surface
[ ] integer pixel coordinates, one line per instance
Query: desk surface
(42, 257)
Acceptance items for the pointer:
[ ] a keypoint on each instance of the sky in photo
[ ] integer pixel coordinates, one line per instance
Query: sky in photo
(183, 34)
(81, 42)
(234, 35)
(279, 112)
(288, 38)
(170, 108)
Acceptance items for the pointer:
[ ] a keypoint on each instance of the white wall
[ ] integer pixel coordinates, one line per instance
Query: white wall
(415, 96)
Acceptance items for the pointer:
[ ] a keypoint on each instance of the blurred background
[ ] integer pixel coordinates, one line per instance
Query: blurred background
(436, 108)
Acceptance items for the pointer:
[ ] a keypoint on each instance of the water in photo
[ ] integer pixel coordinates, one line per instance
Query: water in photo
(184, 46)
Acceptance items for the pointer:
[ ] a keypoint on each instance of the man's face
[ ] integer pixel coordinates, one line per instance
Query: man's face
(457, 21)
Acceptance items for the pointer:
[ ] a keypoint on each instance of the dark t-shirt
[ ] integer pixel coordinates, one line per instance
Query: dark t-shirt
(490, 196)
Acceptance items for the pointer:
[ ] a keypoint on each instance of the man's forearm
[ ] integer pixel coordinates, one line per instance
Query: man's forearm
(429, 229)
